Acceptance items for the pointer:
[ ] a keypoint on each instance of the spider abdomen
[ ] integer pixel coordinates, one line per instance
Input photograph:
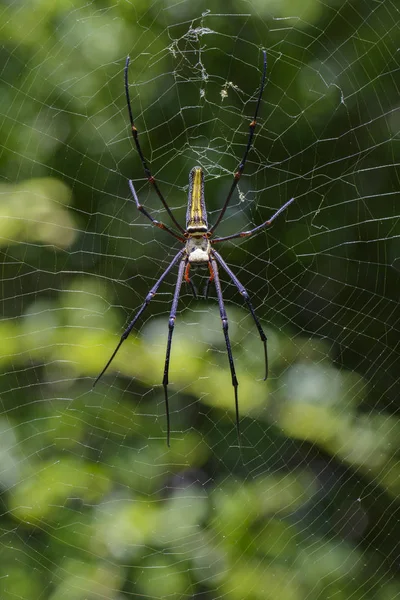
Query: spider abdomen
(196, 214)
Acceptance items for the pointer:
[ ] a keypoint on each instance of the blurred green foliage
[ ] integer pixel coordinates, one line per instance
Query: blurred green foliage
(94, 503)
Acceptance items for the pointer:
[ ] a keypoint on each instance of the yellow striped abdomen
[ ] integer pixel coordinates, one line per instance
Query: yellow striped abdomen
(196, 216)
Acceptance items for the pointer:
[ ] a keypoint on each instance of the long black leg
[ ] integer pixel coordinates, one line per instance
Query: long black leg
(146, 169)
(256, 229)
(207, 288)
(242, 164)
(140, 311)
(224, 319)
(244, 293)
(141, 208)
(171, 325)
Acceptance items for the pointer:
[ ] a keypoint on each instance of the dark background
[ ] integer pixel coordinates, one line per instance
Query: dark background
(94, 505)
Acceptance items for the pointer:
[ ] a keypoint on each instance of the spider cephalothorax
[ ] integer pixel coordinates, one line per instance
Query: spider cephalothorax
(197, 239)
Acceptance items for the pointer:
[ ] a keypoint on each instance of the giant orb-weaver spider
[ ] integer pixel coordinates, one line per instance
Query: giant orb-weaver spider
(198, 249)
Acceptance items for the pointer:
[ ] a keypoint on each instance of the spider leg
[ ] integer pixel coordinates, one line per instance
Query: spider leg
(149, 297)
(209, 280)
(244, 293)
(224, 319)
(189, 281)
(242, 164)
(256, 229)
(171, 325)
(146, 169)
(141, 208)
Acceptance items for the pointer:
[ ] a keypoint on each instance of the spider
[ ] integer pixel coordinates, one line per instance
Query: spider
(198, 251)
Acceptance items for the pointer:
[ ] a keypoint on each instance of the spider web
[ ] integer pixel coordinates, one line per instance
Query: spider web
(94, 503)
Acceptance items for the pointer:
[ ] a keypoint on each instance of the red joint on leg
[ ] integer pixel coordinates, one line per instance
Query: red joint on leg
(237, 175)
(187, 278)
(211, 272)
(253, 123)
(151, 179)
